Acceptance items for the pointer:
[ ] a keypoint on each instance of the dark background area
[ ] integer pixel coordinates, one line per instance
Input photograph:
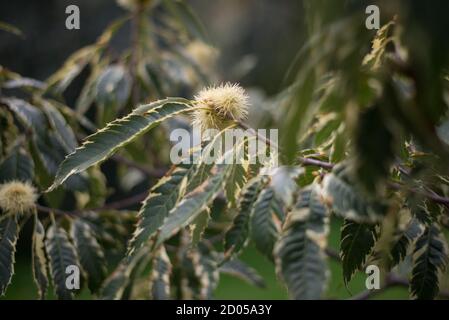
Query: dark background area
(250, 29)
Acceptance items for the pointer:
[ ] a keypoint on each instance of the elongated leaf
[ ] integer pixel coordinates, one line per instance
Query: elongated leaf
(430, 259)
(162, 198)
(113, 86)
(63, 132)
(62, 78)
(241, 270)
(90, 254)
(300, 251)
(9, 232)
(160, 276)
(187, 17)
(357, 243)
(17, 166)
(199, 226)
(193, 204)
(236, 182)
(104, 143)
(50, 151)
(61, 254)
(115, 284)
(237, 235)
(405, 238)
(264, 222)
(39, 261)
(347, 201)
(119, 284)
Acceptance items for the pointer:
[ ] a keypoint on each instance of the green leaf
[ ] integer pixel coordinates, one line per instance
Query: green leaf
(113, 86)
(207, 271)
(9, 232)
(430, 259)
(38, 259)
(300, 252)
(241, 270)
(62, 78)
(264, 222)
(236, 237)
(237, 180)
(199, 226)
(61, 254)
(17, 166)
(187, 17)
(347, 201)
(161, 199)
(50, 152)
(357, 243)
(399, 250)
(115, 285)
(104, 143)
(160, 276)
(119, 284)
(112, 92)
(90, 254)
(194, 203)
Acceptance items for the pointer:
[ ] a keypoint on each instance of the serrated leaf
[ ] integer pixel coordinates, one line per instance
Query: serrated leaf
(104, 143)
(115, 284)
(373, 160)
(61, 254)
(112, 90)
(38, 259)
(9, 232)
(160, 276)
(193, 204)
(199, 226)
(50, 151)
(237, 235)
(405, 238)
(119, 284)
(207, 271)
(264, 222)
(241, 270)
(113, 86)
(17, 166)
(161, 199)
(357, 243)
(63, 132)
(347, 201)
(237, 180)
(300, 252)
(430, 259)
(90, 254)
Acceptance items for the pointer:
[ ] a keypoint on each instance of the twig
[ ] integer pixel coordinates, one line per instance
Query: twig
(116, 205)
